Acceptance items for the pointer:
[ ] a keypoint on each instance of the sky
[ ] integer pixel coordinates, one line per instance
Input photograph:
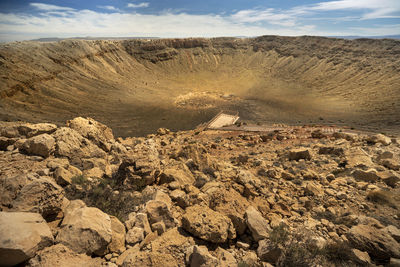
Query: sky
(24, 20)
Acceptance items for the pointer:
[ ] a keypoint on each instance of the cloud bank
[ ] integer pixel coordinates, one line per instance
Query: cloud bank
(59, 21)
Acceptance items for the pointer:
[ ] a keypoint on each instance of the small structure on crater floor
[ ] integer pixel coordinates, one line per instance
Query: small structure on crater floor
(221, 120)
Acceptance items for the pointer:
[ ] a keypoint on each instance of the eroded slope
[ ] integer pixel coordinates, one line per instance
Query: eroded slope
(136, 86)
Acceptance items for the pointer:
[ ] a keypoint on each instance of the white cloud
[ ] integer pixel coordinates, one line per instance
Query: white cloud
(268, 15)
(46, 7)
(140, 5)
(376, 8)
(111, 8)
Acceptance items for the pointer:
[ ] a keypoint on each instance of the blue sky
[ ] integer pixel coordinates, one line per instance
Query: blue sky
(22, 19)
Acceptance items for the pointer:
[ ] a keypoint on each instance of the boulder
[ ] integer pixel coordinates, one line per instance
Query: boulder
(85, 229)
(40, 145)
(134, 235)
(62, 176)
(179, 173)
(61, 256)
(378, 243)
(22, 234)
(30, 130)
(70, 144)
(200, 257)
(356, 157)
(207, 224)
(225, 258)
(393, 231)
(299, 153)
(360, 257)
(379, 138)
(158, 211)
(117, 243)
(41, 196)
(138, 220)
(366, 176)
(268, 252)
(93, 130)
(257, 224)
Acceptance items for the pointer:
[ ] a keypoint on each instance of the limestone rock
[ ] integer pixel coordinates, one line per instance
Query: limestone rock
(118, 236)
(70, 144)
(134, 235)
(158, 211)
(30, 130)
(379, 138)
(393, 231)
(22, 234)
(179, 173)
(366, 176)
(207, 224)
(42, 196)
(61, 256)
(85, 230)
(62, 176)
(200, 257)
(377, 243)
(299, 153)
(225, 258)
(257, 224)
(360, 257)
(268, 252)
(313, 189)
(93, 130)
(40, 145)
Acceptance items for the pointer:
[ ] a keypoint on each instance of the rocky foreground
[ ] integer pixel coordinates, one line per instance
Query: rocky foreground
(76, 196)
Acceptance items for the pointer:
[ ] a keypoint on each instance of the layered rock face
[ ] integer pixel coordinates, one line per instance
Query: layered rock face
(75, 195)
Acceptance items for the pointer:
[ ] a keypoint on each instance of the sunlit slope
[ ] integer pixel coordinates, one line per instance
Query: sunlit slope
(137, 86)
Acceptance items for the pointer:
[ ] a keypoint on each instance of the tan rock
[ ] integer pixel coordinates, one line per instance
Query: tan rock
(117, 243)
(378, 243)
(200, 257)
(207, 224)
(379, 138)
(225, 258)
(22, 234)
(179, 173)
(313, 189)
(85, 230)
(393, 231)
(257, 224)
(93, 130)
(41, 145)
(42, 196)
(366, 176)
(158, 211)
(299, 153)
(61, 256)
(360, 257)
(134, 236)
(62, 176)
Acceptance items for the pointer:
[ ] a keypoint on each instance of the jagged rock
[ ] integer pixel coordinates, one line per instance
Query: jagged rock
(207, 224)
(61, 256)
(231, 204)
(117, 243)
(257, 224)
(330, 150)
(179, 173)
(93, 130)
(357, 157)
(392, 164)
(268, 252)
(151, 259)
(138, 220)
(225, 258)
(347, 136)
(393, 231)
(299, 153)
(158, 211)
(158, 227)
(313, 189)
(377, 243)
(366, 176)
(360, 257)
(30, 130)
(70, 144)
(62, 176)
(85, 229)
(42, 196)
(390, 178)
(40, 145)
(200, 257)
(379, 138)
(134, 235)
(22, 234)
(394, 262)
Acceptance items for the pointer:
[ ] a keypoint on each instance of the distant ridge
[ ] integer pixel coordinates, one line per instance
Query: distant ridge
(56, 39)
(351, 37)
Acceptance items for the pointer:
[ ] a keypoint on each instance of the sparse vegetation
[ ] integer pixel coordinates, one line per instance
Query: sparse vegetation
(79, 179)
(381, 197)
